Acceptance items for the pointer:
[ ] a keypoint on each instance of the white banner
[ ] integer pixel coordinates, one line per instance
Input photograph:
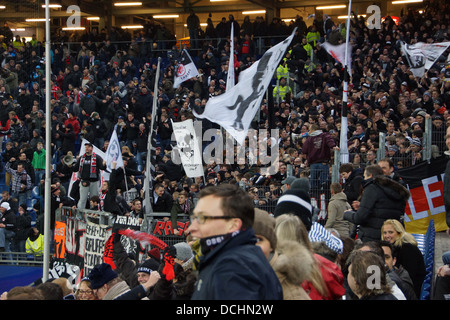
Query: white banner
(186, 69)
(235, 109)
(421, 56)
(188, 148)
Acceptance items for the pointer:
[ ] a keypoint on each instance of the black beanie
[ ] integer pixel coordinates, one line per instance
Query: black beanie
(101, 274)
(297, 202)
(148, 266)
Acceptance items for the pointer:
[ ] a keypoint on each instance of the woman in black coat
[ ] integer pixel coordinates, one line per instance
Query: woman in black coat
(382, 199)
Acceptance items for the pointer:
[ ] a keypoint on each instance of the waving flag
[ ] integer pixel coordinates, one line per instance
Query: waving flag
(114, 152)
(338, 53)
(235, 109)
(186, 69)
(421, 56)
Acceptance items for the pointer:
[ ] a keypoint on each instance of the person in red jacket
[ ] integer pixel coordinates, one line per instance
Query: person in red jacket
(317, 151)
(75, 123)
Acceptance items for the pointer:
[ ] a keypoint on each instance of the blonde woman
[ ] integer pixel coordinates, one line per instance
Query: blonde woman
(326, 279)
(408, 254)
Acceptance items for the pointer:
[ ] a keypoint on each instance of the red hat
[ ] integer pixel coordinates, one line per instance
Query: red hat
(155, 253)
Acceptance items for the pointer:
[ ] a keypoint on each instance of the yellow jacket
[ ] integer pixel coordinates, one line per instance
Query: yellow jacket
(35, 247)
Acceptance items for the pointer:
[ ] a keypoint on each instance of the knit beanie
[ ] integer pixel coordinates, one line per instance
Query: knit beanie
(155, 253)
(148, 266)
(264, 225)
(297, 202)
(302, 184)
(101, 274)
(184, 251)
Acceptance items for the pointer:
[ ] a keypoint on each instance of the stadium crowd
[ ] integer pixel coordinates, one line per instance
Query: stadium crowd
(104, 81)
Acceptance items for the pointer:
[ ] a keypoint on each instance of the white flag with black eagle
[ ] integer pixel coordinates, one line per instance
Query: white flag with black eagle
(421, 56)
(186, 69)
(235, 109)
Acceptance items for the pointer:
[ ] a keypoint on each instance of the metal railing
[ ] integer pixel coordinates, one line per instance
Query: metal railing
(20, 259)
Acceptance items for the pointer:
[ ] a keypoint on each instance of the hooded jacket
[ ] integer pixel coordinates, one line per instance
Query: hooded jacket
(317, 147)
(382, 199)
(292, 264)
(336, 207)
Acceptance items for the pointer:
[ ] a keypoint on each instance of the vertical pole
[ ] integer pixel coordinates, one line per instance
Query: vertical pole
(47, 201)
(344, 157)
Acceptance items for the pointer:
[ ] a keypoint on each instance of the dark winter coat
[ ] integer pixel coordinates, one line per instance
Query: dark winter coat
(353, 185)
(23, 226)
(237, 269)
(163, 203)
(382, 199)
(411, 259)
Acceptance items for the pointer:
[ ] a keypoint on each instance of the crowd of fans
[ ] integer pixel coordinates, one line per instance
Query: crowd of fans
(106, 82)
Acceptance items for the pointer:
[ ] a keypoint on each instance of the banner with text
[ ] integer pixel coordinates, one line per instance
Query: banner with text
(96, 237)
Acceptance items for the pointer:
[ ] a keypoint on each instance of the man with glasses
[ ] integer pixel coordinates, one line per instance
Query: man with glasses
(229, 263)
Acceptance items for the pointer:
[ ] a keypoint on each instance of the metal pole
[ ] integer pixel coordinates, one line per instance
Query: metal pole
(48, 137)
(344, 156)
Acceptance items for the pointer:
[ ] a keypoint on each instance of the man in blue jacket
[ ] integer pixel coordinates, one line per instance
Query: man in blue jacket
(230, 265)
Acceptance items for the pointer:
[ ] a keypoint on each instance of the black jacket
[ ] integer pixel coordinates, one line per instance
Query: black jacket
(382, 199)
(163, 203)
(353, 185)
(9, 220)
(109, 202)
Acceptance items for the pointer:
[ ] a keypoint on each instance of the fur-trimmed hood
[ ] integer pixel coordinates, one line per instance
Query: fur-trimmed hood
(388, 185)
(294, 262)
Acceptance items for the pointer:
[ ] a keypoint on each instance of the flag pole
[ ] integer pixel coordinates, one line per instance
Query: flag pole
(230, 76)
(344, 157)
(48, 137)
(150, 146)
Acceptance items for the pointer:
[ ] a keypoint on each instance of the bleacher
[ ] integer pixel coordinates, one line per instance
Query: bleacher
(426, 243)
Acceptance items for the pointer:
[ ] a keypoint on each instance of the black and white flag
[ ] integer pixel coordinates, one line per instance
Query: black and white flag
(235, 109)
(421, 56)
(186, 69)
(188, 148)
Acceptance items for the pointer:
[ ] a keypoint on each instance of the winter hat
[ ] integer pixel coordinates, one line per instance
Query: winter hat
(184, 251)
(148, 266)
(416, 141)
(101, 274)
(264, 225)
(302, 184)
(297, 202)
(155, 253)
(5, 205)
(318, 233)
(288, 180)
